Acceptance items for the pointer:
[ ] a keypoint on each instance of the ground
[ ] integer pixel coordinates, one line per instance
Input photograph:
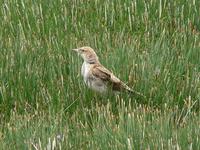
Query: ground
(44, 103)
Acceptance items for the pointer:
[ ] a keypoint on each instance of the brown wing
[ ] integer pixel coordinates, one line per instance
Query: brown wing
(101, 73)
(105, 75)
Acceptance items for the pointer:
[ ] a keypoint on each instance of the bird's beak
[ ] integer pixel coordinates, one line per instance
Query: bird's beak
(76, 50)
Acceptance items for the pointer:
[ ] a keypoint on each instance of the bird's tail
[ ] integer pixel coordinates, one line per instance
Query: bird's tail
(134, 92)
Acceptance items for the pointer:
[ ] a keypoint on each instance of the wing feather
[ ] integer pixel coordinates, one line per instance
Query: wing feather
(105, 75)
(101, 73)
(115, 83)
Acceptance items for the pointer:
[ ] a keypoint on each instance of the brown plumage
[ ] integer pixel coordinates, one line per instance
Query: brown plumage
(96, 76)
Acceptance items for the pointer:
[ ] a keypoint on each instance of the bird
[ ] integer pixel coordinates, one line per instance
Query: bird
(96, 76)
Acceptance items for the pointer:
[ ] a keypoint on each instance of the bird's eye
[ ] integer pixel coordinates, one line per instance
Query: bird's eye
(82, 50)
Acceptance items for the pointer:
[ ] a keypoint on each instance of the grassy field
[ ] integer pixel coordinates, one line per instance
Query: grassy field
(154, 46)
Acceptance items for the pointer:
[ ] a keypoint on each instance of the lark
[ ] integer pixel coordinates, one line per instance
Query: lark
(96, 76)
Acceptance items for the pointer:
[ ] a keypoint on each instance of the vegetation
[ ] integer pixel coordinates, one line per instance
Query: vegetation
(153, 45)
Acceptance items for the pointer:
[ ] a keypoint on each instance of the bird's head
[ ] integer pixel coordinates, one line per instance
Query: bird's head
(88, 54)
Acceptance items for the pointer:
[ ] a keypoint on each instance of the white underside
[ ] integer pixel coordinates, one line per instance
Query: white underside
(90, 80)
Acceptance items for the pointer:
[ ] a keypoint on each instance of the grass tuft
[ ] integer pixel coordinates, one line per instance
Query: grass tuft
(151, 45)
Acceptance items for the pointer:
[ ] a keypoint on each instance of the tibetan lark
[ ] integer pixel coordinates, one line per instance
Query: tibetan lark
(96, 76)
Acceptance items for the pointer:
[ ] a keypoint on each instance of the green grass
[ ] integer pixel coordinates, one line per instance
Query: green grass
(154, 46)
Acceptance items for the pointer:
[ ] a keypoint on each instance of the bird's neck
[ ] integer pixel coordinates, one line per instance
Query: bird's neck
(93, 60)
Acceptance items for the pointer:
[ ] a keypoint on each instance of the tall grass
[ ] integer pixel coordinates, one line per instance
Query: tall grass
(152, 45)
